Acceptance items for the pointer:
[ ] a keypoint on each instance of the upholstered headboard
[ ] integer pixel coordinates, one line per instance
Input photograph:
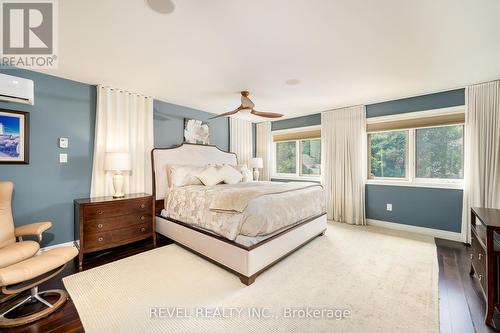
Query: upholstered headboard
(185, 154)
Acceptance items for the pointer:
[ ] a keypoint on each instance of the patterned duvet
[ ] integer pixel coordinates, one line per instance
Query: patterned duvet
(263, 215)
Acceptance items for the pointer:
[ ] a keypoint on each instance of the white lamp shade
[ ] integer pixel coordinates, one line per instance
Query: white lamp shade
(117, 162)
(256, 163)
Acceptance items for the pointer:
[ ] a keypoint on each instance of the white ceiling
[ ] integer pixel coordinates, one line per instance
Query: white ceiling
(344, 52)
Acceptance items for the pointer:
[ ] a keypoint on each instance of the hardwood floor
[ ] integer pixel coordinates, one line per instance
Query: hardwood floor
(460, 301)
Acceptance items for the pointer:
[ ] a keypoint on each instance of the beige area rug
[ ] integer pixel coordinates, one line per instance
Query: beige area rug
(353, 279)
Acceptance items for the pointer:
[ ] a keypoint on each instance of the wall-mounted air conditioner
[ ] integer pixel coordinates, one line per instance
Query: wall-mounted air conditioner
(16, 89)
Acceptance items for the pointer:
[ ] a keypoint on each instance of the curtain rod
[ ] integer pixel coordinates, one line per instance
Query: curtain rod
(123, 90)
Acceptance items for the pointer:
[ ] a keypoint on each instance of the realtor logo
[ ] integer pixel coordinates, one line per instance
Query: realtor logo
(28, 33)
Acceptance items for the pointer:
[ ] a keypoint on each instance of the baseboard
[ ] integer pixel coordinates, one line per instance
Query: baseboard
(46, 248)
(449, 235)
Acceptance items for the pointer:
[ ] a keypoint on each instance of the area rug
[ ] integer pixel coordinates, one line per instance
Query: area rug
(353, 279)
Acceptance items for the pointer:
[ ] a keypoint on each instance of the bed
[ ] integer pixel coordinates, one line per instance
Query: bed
(245, 228)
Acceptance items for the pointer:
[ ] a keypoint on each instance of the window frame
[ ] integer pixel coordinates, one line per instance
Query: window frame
(298, 160)
(411, 178)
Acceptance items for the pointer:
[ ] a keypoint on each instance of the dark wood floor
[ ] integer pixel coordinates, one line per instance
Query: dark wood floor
(460, 301)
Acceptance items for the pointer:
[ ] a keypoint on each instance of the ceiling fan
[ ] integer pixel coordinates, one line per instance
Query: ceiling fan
(248, 105)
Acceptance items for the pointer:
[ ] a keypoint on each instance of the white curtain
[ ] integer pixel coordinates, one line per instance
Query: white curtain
(482, 151)
(264, 148)
(343, 163)
(124, 123)
(241, 139)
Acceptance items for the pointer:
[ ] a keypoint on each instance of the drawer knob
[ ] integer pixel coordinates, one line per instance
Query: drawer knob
(143, 229)
(143, 217)
(471, 256)
(143, 206)
(480, 277)
(100, 239)
(100, 212)
(99, 226)
(479, 256)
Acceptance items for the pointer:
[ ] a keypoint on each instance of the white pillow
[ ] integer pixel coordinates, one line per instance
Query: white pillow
(183, 175)
(245, 172)
(210, 176)
(230, 175)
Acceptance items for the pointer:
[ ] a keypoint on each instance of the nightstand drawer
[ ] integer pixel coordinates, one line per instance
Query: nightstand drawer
(98, 211)
(111, 223)
(108, 239)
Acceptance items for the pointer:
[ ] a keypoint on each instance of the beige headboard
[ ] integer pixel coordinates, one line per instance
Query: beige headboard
(185, 154)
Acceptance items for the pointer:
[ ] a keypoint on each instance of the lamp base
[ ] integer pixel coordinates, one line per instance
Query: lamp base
(255, 174)
(118, 181)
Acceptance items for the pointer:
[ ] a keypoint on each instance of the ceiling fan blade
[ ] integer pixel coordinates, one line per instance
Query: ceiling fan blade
(226, 113)
(266, 114)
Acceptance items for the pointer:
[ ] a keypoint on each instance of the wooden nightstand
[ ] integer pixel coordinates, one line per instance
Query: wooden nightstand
(106, 222)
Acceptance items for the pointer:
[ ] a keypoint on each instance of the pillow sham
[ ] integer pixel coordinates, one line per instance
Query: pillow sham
(245, 172)
(210, 176)
(230, 175)
(183, 175)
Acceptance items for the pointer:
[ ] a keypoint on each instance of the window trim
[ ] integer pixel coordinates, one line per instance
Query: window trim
(411, 179)
(298, 161)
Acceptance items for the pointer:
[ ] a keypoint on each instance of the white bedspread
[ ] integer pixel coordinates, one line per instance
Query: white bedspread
(263, 215)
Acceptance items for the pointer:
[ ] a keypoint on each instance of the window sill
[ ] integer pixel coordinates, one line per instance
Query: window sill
(453, 186)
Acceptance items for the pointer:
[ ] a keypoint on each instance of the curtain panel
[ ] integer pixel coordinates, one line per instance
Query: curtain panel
(241, 139)
(482, 151)
(343, 163)
(264, 148)
(124, 123)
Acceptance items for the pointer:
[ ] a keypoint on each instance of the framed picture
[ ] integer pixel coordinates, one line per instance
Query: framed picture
(14, 137)
(196, 131)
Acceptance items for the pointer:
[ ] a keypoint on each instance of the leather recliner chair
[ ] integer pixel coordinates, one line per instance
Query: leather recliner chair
(22, 269)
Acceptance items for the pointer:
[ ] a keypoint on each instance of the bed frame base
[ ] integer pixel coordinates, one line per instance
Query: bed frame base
(246, 262)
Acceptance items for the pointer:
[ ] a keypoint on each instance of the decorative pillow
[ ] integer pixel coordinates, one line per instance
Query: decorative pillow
(183, 175)
(210, 176)
(230, 175)
(245, 172)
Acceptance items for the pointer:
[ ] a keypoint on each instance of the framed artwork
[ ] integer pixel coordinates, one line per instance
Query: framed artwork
(14, 137)
(196, 131)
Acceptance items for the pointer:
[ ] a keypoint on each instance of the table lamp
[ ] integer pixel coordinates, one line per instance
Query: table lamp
(117, 163)
(256, 163)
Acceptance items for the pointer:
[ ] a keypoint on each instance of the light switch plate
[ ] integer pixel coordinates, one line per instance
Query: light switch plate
(63, 142)
(63, 158)
(389, 207)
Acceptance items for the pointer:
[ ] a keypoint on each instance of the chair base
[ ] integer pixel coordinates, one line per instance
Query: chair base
(35, 296)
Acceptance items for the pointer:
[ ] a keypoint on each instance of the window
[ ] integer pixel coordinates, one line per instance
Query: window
(388, 151)
(286, 157)
(310, 151)
(428, 154)
(439, 152)
(297, 154)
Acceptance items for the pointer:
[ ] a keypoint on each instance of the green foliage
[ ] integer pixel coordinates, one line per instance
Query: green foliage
(388, 154)
(311, 157)
(286, 157)
(439, 152)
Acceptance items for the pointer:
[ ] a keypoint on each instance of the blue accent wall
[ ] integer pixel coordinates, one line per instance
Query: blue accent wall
(433, 208)
(45, 189)
(310, 120)
(169, 125)
(418, 206)
(420, 103)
